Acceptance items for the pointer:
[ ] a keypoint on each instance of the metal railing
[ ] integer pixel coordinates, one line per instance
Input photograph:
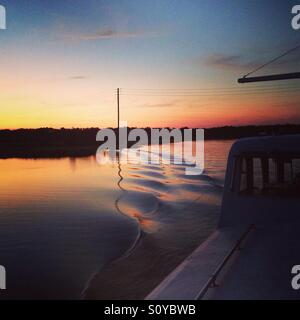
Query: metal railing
(211, 283)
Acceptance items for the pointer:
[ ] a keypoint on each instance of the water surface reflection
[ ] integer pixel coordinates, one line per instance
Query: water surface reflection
(113, 229)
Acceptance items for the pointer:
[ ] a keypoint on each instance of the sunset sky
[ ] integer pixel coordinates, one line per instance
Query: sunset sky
(61, 62)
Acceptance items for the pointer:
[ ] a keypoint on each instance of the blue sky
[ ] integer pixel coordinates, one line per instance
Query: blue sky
(102, 45)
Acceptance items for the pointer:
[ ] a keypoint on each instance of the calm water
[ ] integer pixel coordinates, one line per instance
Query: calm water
(71, 228)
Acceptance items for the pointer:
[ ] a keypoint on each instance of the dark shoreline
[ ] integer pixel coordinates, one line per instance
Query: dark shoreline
(58, 143)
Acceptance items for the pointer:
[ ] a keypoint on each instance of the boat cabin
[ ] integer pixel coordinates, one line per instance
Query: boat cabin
(261, 214)
(261, 171)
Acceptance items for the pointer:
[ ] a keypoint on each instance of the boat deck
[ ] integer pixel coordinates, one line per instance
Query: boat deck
(260, 269)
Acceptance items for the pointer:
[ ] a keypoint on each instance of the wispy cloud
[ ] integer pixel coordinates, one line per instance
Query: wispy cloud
(241, 62)
(169, 104)
(78, 77)
(108, 34)
(229, 62)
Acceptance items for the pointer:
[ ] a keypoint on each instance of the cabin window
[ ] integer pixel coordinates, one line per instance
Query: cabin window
(251, 175)
(277, 176)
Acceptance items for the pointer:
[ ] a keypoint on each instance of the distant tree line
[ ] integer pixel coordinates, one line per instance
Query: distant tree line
(49, 142)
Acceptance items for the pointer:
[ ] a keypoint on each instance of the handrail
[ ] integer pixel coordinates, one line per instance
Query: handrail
(212, 280)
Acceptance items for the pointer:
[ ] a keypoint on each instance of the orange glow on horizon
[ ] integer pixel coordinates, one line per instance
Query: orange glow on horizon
(28, 113)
